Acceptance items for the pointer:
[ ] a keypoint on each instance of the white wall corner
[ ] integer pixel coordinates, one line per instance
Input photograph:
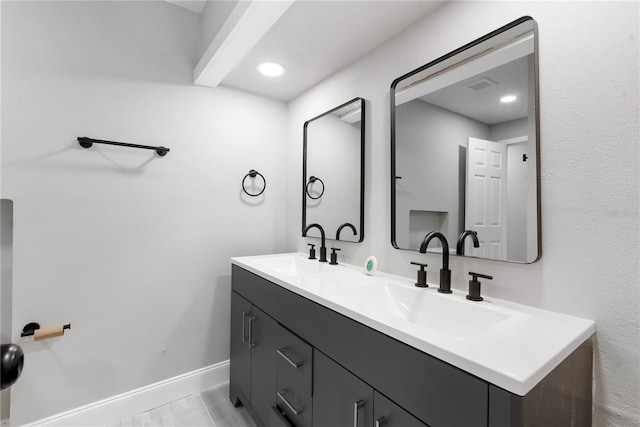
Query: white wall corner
(246, 25)
(194, 6)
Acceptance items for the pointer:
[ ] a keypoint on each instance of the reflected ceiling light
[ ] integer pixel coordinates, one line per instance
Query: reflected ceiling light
(507, 99)
(271, 69)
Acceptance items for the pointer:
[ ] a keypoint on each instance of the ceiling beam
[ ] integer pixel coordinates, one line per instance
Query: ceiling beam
(247, 23)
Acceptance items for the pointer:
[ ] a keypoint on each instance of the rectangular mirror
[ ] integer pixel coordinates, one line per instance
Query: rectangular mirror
(464, 148)
(333, 172)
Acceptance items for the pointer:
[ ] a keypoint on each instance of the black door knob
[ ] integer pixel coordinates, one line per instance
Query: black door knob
(11, 362)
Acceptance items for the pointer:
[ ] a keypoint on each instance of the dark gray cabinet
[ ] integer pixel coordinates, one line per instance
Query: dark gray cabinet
(360, 372)
(240, 361)
(339, 397)
(279, 418)
(294, 376)
(252, 364)
(296, 404)
(342, 399)
(388, 414)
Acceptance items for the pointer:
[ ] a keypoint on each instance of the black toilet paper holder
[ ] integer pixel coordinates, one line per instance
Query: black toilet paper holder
(30, 328)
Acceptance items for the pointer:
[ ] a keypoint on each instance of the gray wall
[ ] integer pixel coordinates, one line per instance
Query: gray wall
(508, 130)
(589, 172)
(131, 249)
(428, 141)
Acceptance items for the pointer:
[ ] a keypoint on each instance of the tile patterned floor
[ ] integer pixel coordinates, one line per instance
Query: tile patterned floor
(210, 408)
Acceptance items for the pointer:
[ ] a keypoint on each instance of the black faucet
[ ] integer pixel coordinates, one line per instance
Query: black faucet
(323, 248)
(464, 235)
(334, 254)
(445, 273)
(346, 224)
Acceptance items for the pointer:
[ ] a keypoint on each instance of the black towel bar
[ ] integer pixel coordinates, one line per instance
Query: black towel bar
(88, 142)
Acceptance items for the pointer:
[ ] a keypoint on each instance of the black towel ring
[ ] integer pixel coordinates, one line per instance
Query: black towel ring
(313, 179)
(252, 174)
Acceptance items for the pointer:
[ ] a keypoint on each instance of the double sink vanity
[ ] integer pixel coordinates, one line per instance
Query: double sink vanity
(325, 345)
(314, 344)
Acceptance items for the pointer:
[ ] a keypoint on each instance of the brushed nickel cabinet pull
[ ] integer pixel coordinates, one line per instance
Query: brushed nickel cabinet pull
(244, 326)
(251, 320)
(286, 402)
(282, 353)
(356, 410)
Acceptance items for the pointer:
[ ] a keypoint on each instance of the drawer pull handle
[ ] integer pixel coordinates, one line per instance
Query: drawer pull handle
(286, 402)
(244, 325)
(382, 421)
(356, 410)
(282, 352)
(251, 320)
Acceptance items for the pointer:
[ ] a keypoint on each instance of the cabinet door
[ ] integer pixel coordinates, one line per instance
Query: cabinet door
(340, 399)
(388, 414)
(240, 362)
(262, 339)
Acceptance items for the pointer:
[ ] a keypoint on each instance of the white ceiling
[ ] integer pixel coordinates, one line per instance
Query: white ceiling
(484, 105)
(315, 39)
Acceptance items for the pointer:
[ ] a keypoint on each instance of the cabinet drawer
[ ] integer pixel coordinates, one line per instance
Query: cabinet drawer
(295, 403)
(294, 360)
(278, 418)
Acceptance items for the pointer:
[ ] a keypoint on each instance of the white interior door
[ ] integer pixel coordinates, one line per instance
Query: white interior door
(486, 197)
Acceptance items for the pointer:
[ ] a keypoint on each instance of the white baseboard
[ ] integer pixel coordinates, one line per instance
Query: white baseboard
(126, 405)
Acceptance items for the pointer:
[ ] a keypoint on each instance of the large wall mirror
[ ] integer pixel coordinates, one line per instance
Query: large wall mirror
(464, 144)
(333, 172)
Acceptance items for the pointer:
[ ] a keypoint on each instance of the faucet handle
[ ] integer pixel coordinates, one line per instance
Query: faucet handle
(312, 251)
(474, 286)
(422, 275)
(334, 256)
(476, 275)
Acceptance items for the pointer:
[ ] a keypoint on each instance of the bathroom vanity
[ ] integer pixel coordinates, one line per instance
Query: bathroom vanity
(327, 346)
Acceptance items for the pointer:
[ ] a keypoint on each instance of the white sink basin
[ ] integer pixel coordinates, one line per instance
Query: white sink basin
(446, 316)
(511, 345)
(312, 275)
(288, 264)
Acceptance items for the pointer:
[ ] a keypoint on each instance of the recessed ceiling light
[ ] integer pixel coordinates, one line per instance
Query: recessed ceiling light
(271, 69)
(508, 98)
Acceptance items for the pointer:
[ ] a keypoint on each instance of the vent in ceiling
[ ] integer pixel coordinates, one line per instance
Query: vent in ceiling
(481, 84)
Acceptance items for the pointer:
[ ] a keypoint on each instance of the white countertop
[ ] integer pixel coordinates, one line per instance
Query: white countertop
(513, 346)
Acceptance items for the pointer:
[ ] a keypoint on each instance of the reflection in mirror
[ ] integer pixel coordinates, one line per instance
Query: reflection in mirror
(333, 172)
(464, 136)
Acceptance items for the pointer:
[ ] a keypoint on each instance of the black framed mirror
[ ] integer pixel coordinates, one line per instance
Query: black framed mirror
(333, 172)
(465, 148)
